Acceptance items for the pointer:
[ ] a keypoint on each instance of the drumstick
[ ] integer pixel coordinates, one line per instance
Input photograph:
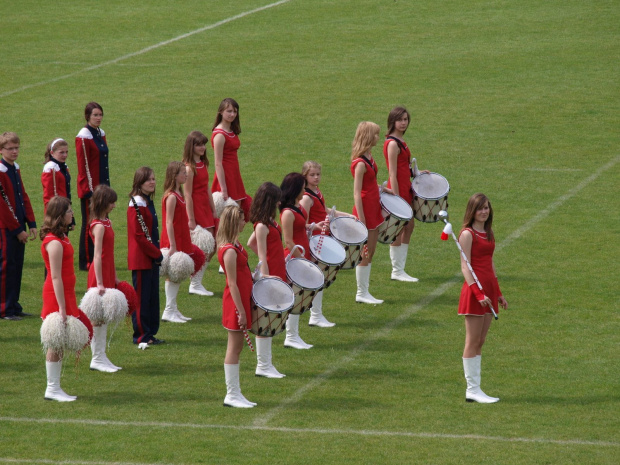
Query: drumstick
(444, 236)
(319, 245)
(245, 333)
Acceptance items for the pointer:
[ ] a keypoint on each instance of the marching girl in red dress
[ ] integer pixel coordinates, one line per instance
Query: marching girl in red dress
(59, 286)
(55, 178)
(198, 198)
(175, 232)
(294, 219)
(236, 312)
(225, 142)
(144, 256)
(314, 203)
(266, 242)
(102, 272)
(398, 159)
(91, 149)
(478, 243)
(367, 203)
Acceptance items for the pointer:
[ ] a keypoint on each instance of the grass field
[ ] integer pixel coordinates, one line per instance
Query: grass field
(518, 100)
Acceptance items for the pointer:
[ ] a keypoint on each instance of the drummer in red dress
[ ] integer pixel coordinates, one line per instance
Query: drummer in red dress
(266, 242)
(367, 202)
(225, 142)
(102, 272)
(398, 159)
(59, 286)
(198, 198)
(55, 178)
(294, 219)
(478, 243)
(314, 203)
(175, 232)
(236, 312)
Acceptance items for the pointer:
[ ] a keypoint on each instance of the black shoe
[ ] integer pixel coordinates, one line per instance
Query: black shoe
(23, 314)
(12, 318)
(154, 341)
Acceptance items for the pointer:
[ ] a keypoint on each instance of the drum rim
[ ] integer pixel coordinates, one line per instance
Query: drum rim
(298, 284)
(273, 278)
(391, 212)
(348, 218)
(415, 194)
(323, 261)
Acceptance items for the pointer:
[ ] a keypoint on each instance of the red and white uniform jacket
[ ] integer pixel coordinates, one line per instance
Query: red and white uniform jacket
(142, 252)
(22, 212)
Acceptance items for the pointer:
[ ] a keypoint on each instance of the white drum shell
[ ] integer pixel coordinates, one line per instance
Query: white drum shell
(329, 259)
(352, 234)
(272, 299)
(306, 280)
(397, 214)
(430, 196)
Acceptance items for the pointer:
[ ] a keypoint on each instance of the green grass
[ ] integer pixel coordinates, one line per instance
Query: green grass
(515, 99)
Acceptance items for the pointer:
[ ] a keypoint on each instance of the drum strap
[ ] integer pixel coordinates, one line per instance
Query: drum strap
(372, 165)
(315, 195)
(295, 209)
(276, 226)
(398, 141)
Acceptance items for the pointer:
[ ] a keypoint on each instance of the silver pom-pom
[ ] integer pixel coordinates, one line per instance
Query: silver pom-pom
(180, 267)
(203, 239)
(115, 306)
(63, 338)
(220, 204)
(163, 269)
(92, 305)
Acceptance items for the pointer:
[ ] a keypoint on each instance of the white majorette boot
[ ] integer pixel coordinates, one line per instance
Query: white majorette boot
(105, 355)
(362, 273)
(398, 255)
(170, 312)
(195, 284)
(292, 339)
(316, 313)
(234, 398)
(264, 367)
(54, 391)
(471, 367)
(97, 346)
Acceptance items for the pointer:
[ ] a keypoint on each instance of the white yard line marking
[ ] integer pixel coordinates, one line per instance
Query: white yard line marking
(144, 50)
(562, 170)
(327, 431)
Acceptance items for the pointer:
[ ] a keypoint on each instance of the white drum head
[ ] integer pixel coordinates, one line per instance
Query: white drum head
(273, 295)
(304, 273)
(430, 186)
(331, 252)
(348, 230)
(396, 205)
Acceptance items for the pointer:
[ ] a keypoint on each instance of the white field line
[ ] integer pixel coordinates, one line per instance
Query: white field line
(326, 431)
(562, 170)
(144, 50)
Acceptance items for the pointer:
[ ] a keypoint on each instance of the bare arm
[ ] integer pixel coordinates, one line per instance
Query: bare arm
(218, 156)
(360, 170)
(188, 190)
(261, 233)
(230, 264)
(307, 203)
(54, 249)
(393, 152)
(288, 220)
(466, 240)
(171, 203)
(98, 231)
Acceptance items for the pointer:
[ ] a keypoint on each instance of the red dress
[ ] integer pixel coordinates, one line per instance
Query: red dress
(244, 283)
(275, 251)
(403, 169)
(317, 211)
(230, 163)
(370, 193)
(200, 195)
(107, 256)
(482, 262)
(181, 227)
(300, 236)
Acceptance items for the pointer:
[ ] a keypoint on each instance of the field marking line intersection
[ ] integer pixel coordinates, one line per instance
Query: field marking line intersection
(144, 50)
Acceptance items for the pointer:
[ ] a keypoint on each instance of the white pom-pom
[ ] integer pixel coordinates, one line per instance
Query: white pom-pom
(203, 239)
(115, 306)
(93, 307)
(220, 204)
(181, 267)
(163, 269)
(63, 338)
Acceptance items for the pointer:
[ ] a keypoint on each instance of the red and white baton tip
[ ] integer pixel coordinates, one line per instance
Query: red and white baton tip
(447, 230)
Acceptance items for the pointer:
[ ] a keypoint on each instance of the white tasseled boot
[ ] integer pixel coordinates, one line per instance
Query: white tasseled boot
(195, 284)
(234, 398)
(292, 339)
(264, 367)
(54, 391)
(471, 367)
(362, 273)
(105, 355)
(398, 255)
(97, 346)
(316, 313)
(170, 311)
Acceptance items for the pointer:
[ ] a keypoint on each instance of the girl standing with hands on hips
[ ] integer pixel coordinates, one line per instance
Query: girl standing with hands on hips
(398, 159)
(266, 242)
(102, 272)
(236, 300)
(478, 243)
(367, 202)
(198, 198)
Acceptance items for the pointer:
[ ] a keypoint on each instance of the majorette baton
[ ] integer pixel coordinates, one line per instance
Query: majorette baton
(447, 230)
(245, 334)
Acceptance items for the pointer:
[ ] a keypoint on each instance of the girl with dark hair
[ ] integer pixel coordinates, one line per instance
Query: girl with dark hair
(144, 256)
(102, 272)
(55, 178)
(59, 286)
(198, 198)
(478, 243)
(266, 242)
(91, 149)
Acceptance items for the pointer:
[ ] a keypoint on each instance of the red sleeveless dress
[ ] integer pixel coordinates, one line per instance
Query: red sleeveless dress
(300, 237)
(403, 169)
(108, 269)
(244, 283)
(370, 193)
(200, 196)
(275, 251)
(181, 226)
(230, 163)
(317, 212)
